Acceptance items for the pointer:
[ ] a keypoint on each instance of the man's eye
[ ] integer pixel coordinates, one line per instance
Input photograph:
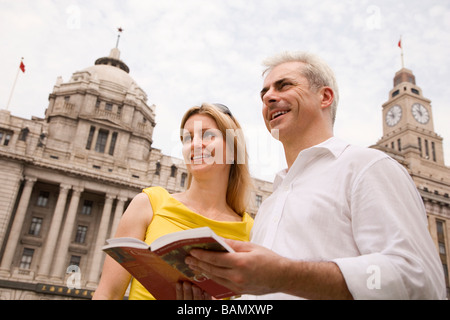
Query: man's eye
(285, 84)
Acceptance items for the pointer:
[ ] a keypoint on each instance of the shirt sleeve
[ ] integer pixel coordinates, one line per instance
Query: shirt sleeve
(398, 259)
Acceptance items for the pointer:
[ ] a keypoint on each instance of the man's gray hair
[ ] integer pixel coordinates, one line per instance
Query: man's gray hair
(315, 70)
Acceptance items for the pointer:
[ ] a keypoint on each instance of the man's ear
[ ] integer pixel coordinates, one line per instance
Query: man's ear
(327, 95)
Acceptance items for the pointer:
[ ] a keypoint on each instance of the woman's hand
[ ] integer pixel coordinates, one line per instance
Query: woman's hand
(188, 291)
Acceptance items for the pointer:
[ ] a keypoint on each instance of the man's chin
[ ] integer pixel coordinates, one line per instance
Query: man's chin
(275, 133)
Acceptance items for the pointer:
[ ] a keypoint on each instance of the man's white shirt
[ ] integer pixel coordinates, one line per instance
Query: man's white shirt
(356, 207)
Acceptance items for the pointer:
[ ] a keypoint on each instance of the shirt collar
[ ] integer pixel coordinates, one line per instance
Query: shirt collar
(333, 145)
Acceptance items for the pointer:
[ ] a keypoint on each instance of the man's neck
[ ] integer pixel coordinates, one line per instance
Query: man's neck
(292, 148)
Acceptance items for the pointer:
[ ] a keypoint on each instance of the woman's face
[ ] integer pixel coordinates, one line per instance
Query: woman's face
(204, 145)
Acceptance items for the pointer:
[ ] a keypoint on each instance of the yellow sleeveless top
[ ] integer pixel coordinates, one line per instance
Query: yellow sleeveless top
(170, 215)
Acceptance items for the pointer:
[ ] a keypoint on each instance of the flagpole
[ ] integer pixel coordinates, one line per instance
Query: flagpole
(13, 87)
(403, 58)
(118, 36)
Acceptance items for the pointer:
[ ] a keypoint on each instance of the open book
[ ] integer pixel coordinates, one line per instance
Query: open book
(161, 265)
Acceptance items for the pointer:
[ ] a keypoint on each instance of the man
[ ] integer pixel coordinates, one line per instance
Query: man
(343, 222)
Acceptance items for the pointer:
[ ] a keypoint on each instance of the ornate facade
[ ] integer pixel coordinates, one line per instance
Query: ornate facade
(409, 137)
(67, 179)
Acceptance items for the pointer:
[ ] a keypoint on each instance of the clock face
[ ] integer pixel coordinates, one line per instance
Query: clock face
(420, 113)
(393, 116)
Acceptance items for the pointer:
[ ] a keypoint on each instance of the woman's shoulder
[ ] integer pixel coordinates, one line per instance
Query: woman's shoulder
(155, 190)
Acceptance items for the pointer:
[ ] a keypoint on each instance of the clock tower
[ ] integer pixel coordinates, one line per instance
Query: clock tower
(408, 121)
(409, 137)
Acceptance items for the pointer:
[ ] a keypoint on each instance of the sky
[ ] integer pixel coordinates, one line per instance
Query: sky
(185, 52)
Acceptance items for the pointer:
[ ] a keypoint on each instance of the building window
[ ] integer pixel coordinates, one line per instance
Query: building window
(90, 138)
(108, 106)
(173, 171)
(24, 134)
(101, 140)
(80, 237)
(427, 152)
(433, 151)
(258, 200)
(97, 104)
(440, 228)
(75, 261)
(442, 248)
(35, 227)
(43, 199)
(158, 168)
(399, 144)
(87, 207)
(27, 257)
(419, 141)
(112, 145)
(183, 179)
(7, 139)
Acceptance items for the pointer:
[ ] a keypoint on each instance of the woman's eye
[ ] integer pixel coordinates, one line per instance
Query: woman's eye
(186, 139)
(208, 135)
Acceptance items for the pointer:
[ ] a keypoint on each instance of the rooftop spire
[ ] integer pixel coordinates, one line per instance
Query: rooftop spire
(401, 47)
(114, 57)
(120, 30)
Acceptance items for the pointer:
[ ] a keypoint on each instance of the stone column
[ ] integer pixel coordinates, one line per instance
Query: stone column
(52, 237)
(17, 225)
(117, 215)
(64, 242)
(100, 242)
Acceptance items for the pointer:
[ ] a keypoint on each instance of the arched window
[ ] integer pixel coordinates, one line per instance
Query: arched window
(173, 171)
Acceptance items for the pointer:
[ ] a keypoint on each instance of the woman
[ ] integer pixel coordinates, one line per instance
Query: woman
(218, 184)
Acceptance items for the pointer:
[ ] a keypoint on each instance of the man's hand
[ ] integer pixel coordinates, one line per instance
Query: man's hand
(251, 269)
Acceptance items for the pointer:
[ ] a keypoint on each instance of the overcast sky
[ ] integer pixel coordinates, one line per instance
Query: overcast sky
(184, 52)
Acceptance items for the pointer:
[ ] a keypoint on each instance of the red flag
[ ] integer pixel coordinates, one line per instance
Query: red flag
(22, 66)
(400, 44)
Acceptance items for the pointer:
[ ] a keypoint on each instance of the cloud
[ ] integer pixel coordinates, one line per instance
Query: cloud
(185, 52)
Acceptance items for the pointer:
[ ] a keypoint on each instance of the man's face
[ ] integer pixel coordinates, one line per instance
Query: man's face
(290, 107)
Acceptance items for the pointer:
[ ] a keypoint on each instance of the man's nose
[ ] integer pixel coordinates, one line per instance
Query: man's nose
(270, 96)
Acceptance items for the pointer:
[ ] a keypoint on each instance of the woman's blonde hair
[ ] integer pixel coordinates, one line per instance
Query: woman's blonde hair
(239, 181)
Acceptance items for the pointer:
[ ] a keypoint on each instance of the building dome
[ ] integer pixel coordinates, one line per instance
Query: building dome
(112, 70)
(110, 74)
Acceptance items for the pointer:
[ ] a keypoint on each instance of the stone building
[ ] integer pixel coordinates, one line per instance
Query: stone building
(409, 137)
(67, 178)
